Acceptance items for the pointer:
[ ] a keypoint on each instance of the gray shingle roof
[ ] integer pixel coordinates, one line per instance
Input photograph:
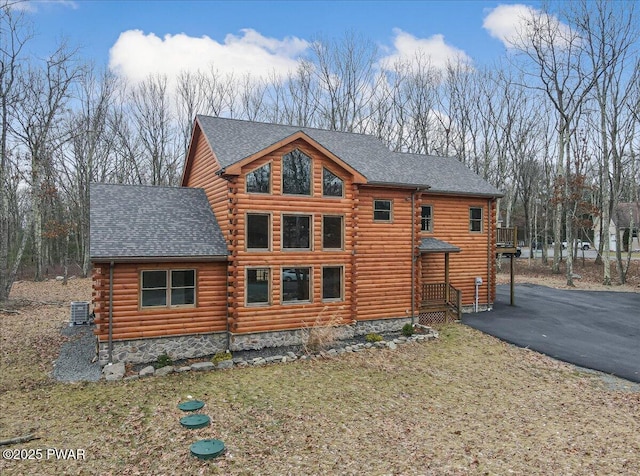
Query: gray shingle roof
(433, 245)
(140, 221)
(233, 140)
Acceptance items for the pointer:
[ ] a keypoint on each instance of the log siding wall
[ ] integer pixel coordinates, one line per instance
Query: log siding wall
(376, 257)
(450, 222)
(131, 321)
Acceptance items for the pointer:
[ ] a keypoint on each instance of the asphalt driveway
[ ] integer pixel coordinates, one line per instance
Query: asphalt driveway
(599, 330)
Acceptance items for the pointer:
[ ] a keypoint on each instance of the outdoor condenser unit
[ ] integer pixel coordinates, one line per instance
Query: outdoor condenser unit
(79, 312)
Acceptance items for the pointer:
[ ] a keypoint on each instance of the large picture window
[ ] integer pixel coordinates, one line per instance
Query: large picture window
(332, 185)
(475, 219)
(426, 218)
(382, 210)
(296, 284)
(332, 283)
(296, 173)
(258, 231)
(296, 232)
(258, 286)
(332, 232)
(259, 180)
(167, 288)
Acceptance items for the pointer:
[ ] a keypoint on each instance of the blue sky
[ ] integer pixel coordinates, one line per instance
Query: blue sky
(134, 37)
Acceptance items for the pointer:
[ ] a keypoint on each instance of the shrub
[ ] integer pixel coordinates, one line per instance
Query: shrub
(163, 360)
(407, 330)
(221, 356)
(323, 333)
(373, 337)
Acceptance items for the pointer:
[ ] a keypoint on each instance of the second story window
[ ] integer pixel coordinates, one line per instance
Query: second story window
(259, 180)
(382, 210)
(475, 219)
(296, 173)
(257, 237)
(332, 185)
(296, 232)
(332, 232)
(426, 223)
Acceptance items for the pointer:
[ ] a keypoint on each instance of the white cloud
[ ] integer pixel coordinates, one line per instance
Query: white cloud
(410, 49)
(32, 5)
(135, 54)
(512, 25)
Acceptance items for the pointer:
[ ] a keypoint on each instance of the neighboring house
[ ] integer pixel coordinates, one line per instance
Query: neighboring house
(310, 226)
(621, 219)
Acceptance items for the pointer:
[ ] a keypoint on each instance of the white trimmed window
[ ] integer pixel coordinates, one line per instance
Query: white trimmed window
(259, 180)
(332, 185)
(332, 232)
(296, 173)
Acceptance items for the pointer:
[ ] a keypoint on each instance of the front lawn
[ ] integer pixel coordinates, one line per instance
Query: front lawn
(466, 403)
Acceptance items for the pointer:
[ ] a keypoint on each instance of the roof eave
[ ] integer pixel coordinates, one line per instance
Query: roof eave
(155, 259)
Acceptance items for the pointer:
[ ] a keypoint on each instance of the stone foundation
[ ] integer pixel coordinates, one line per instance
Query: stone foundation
(141, 351)
(259, 340)
(481, 308)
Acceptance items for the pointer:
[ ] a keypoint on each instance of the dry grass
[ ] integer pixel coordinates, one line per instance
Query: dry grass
(464, 404)
(323, 332)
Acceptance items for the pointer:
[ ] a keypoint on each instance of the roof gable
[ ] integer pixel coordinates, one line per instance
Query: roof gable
(234, 141)
(143, 222)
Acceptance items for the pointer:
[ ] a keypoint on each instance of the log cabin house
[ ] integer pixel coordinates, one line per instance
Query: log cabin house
(278, 228)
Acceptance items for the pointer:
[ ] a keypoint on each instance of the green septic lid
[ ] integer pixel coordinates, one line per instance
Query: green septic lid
(207, 449)
(191, 405)
(195, 421)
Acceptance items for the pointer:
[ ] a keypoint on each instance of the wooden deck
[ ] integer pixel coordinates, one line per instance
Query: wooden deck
(441, 303)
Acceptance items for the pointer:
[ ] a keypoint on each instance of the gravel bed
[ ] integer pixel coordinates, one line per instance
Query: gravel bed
(74, 363)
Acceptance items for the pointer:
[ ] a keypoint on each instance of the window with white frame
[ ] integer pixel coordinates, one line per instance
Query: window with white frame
(167, 288)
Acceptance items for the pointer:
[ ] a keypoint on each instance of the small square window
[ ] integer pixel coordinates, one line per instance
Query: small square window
(382, 210)
(332, 232)
(425, 218)
(332, 283)
(475, 219)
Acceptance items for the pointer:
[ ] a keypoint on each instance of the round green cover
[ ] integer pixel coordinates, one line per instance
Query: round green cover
(191, 405)
(195, 421)
(207, 449)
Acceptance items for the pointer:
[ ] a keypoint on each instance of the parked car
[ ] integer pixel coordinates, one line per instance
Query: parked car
(518, 253)
(583, 245)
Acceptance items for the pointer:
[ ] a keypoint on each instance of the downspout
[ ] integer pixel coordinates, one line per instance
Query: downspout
(489, 254)
(110, 344)
(413, 255)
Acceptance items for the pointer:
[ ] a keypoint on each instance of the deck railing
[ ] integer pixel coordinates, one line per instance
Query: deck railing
(507, 237)
(441, 297)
